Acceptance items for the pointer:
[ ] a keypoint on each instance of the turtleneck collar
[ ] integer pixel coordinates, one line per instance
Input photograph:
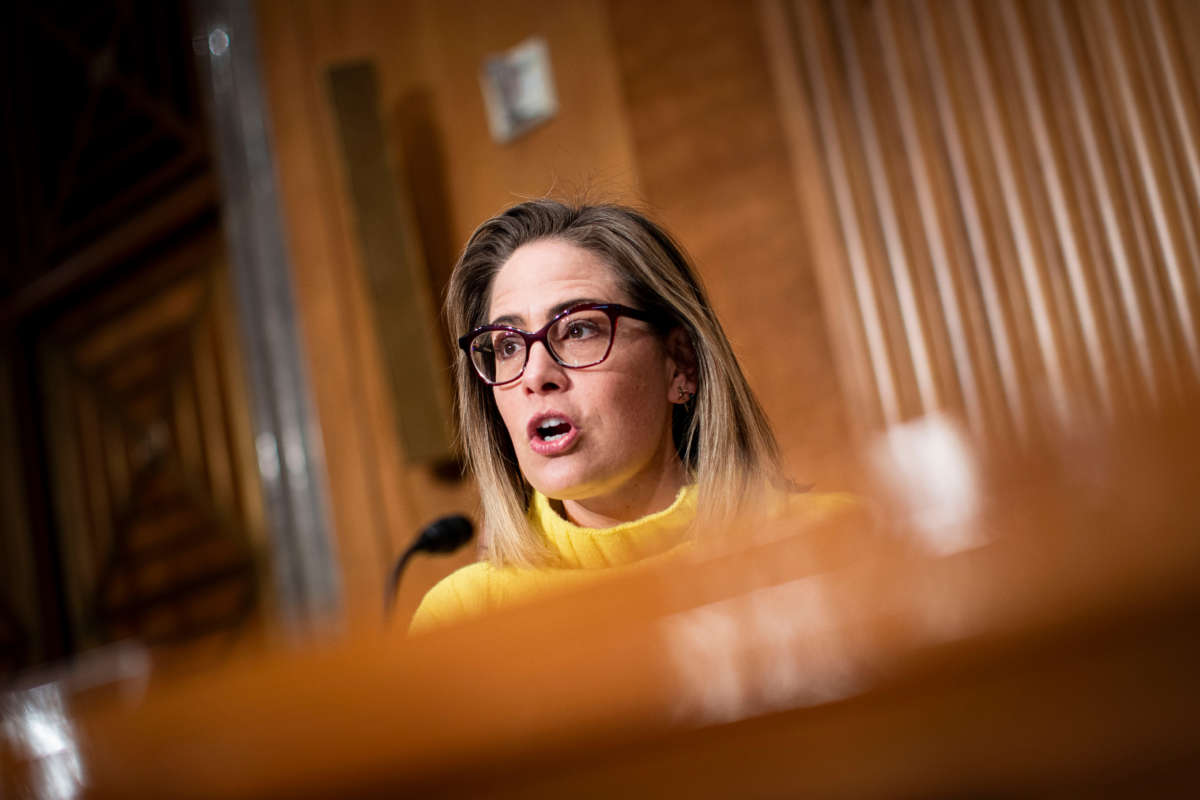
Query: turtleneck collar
(593, 548)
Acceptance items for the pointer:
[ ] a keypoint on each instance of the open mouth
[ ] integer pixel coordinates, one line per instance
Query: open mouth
(552, 429)
(552, 434)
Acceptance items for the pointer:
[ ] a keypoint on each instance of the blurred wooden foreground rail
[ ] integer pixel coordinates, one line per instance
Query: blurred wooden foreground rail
(1046, 643)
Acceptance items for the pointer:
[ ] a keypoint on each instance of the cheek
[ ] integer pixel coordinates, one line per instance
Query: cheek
(508, 413)
(640, 400)
(639, 405)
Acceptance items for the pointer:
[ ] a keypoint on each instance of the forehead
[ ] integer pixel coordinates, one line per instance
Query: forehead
(544, 274)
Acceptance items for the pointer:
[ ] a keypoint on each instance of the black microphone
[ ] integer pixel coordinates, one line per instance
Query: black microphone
(443, 535)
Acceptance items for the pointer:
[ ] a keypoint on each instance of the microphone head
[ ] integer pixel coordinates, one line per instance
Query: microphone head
(445, 534)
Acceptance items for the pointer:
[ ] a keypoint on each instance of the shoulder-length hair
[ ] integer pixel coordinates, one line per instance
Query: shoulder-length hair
(722, 437)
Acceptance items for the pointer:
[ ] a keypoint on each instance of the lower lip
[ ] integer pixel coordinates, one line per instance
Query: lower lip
(556, 447)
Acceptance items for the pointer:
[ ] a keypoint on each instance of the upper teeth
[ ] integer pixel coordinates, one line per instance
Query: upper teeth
(550, 422)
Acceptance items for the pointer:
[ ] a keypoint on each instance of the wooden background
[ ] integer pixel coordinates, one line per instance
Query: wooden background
(1005, 199)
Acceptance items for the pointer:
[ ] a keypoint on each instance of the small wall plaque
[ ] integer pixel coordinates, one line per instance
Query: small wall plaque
(518, 89)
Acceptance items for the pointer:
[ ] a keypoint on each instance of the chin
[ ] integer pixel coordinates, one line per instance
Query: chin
(558, 489)
(562, 484)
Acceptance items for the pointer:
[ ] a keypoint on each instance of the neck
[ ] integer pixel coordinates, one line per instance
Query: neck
(635, 498)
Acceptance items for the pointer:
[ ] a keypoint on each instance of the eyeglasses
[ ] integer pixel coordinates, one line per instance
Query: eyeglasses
(578, 337)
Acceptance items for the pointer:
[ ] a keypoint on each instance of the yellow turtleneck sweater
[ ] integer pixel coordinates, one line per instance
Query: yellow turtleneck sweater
(580, 553)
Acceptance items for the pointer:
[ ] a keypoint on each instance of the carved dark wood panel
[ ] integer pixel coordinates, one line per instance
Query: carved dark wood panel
(154, 481)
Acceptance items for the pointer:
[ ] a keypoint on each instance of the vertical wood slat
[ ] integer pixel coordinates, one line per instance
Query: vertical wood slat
(1139, 113)
(1143, 289)
(862, 286)
(882, 197)
(939, 251)
(851, 362)
(1171, 134)
(1180, 89)
(963, 189)
(1015, 217)
(1125, 324)
(1016, 188)
(1048, 159)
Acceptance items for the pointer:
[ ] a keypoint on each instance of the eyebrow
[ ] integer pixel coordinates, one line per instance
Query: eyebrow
(551, 313)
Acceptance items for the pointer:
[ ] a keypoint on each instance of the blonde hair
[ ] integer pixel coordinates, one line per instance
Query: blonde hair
(722, 437)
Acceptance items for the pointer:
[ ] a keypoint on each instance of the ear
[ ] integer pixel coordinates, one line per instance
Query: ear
(684, 368)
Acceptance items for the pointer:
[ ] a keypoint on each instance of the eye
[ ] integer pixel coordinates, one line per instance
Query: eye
(508, 346)
(580, 329)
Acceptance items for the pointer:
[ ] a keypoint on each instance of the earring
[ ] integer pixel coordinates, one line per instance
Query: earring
(685, 396)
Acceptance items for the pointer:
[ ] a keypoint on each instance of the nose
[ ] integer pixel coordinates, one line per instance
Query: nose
(542, 372)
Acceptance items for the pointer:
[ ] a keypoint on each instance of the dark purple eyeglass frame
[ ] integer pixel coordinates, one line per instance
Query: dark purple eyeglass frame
(613, 310)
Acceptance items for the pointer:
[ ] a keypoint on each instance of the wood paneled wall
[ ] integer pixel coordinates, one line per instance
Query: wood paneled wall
(715, 168)
(1003, 198)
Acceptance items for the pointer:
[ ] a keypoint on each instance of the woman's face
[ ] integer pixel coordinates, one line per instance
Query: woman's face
(600, 435)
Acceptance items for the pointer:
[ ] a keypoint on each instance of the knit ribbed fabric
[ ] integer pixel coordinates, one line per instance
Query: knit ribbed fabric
(595, 548)
(579, 554)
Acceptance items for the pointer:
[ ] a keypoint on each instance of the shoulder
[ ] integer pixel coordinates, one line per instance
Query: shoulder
(479, 588)
(461, 594)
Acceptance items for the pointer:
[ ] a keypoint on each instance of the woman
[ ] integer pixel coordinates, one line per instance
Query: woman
(601, 408)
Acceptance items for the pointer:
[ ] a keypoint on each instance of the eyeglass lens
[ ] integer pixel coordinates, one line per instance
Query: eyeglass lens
(580, 339)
